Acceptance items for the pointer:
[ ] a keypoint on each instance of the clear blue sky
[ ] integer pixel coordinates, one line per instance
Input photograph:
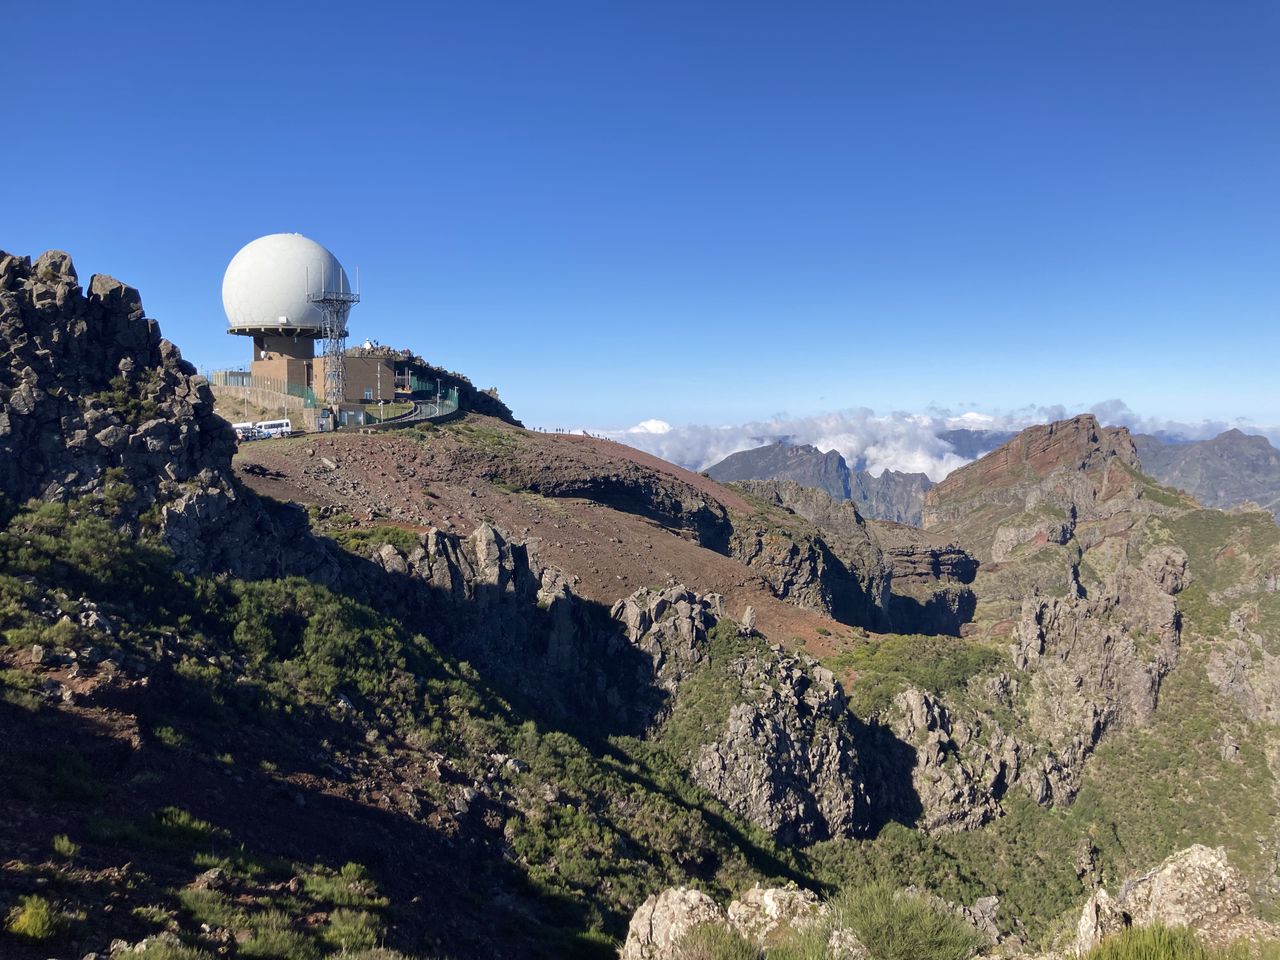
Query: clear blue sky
(695, 211)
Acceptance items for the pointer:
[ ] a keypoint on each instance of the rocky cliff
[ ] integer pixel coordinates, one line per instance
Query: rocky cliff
(850, 579)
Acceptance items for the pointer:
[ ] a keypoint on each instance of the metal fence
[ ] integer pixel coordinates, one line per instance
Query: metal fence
(243, 378)
(424, 409)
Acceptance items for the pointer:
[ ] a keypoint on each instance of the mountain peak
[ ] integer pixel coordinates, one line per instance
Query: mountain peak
(1080, 443)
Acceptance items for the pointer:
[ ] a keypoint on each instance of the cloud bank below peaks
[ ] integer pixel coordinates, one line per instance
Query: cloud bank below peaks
(907, 442)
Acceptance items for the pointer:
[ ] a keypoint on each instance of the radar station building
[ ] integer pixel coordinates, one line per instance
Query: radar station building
(292, 296)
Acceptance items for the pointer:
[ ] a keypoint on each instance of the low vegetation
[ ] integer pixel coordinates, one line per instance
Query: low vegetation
(879, 669)
(1162, 943)
(293, 691)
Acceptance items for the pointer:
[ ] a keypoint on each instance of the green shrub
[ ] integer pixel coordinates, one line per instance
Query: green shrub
(160, 950)
(349, 887)
(352, 930)
(275, 939)
(34, 918)
(169, 737)
(211, 907)
(713, 941)
(884, 667)
(1163, 943)
(897, 926)
(64, 847)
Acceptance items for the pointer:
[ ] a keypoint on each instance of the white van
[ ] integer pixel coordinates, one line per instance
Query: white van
(275, 428)
(245, 431)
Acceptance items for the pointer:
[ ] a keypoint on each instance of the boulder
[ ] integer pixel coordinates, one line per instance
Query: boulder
(1196, 888)
(762, 913)
(660, 922)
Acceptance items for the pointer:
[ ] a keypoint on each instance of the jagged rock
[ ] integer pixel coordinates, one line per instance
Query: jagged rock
(671, 627)
(1196, 888)
(90, 395)
(891, 496)
(786, 759)
(660, 922)
(1095, 663)
(958, 778)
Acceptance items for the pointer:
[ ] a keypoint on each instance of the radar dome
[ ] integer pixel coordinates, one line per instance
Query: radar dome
(267, 282)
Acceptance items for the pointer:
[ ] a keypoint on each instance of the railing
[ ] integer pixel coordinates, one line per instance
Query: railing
(426, 410)
(250, 381)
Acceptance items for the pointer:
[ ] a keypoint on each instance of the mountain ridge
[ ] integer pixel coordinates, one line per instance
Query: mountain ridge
(892, 495)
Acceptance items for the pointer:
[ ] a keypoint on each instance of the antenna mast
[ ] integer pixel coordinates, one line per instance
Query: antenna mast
(334, 305)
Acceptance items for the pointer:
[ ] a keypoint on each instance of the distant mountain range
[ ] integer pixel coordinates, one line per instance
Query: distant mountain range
(890, 496)
(893, 495)
(1230, 469)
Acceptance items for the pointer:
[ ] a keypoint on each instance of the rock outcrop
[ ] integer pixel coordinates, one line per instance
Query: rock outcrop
(963, 767)
(1034, 488)
(762, 916)
(786, 760)
(1097, 662)
(660, 923)
(92, 397)
(855, 586)
(1196, 888)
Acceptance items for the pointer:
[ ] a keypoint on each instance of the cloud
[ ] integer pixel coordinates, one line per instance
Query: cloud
(908, 442)
(1117, 413)
(898, 441)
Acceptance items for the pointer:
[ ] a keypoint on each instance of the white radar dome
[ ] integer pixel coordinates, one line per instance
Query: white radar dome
(267, 282)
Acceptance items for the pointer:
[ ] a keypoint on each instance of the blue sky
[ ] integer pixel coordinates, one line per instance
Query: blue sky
(707, 212)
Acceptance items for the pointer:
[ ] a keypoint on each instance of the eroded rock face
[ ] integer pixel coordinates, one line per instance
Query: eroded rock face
(787, 760)
(670, 626)
(1097, 662)
(931, 580)
(495, 603)
(1196, 888)
(963, 767)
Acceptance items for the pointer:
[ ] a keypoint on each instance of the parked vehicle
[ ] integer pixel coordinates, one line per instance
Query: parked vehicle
(245, 431)
(275, 428)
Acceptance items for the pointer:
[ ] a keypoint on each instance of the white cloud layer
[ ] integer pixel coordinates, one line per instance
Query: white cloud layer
(907, 442)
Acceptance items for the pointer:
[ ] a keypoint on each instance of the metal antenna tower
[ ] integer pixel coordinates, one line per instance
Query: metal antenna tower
(334, 305)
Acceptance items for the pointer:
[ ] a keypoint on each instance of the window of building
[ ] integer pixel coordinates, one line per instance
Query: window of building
(368, 393)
